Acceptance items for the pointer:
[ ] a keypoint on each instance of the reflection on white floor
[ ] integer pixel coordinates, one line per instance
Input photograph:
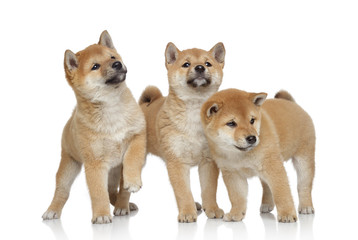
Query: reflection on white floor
(57, 229)
(212, 229)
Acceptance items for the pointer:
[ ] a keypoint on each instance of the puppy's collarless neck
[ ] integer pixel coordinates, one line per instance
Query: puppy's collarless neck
(199, 99)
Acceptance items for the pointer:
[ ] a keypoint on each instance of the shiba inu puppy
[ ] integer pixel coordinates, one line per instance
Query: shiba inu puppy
(174, 131)
(249, 137)
(106, 133)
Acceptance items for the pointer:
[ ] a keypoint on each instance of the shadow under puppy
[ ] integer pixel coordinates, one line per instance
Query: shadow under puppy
(174, 130)
(249, 136)
(106, 133)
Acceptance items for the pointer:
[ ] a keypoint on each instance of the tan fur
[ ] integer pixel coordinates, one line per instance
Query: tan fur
(283, 130)
(174, 131)
(284, 95)
(106, 133)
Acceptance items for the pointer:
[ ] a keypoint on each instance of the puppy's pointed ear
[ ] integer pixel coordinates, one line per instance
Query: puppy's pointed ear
(106, 40)
(171, 53)
(258, 98)
(212, 108)
(71, 62)
(218, 52)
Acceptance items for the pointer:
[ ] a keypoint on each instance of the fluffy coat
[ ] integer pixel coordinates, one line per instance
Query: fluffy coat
(174, 131)
(249, 136)
(106, 133)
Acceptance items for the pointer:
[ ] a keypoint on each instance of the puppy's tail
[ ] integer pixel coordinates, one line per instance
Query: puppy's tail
(284, 95)
(149, 95)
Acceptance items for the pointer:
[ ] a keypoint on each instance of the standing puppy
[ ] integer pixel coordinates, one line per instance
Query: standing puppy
(174, 130)
(248, 137)
(106, 133)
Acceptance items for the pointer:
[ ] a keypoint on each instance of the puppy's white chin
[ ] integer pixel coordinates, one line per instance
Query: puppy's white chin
(200, 81)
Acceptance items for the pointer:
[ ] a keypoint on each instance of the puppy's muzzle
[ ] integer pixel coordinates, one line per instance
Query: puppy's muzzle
(120, 74)
(251, 142)
(200, 78)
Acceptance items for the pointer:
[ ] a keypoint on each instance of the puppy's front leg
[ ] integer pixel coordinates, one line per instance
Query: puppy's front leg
(208, 174)
(133, 163)
(274, 174)
(97, 179)
(179, 175)
(237, 188)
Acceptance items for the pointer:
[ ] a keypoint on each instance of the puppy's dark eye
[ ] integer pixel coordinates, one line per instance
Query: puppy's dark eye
(252, 121)
(208, 64)
(95, 66)
(113, 57)
(186, 65)
(231, 124)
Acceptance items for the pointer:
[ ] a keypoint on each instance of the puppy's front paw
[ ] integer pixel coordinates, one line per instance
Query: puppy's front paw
(122, 211)
(266, 208)
(214, 212)
(132, 185)
(234, 217)
(287, 218)
(187, 216)
(102, 219)
(49, 215)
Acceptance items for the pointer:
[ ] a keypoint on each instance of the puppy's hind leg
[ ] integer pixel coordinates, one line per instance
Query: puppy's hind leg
(122, 205)
(305, 168)
(267, 204)
(66, 174)
(113, 183)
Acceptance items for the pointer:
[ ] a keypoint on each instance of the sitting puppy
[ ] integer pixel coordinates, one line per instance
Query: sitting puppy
(106, 133)
(174, 130)
(248, 137)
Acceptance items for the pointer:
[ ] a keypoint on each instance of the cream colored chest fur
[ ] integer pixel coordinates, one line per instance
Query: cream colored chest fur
(248, 165)
(188, 141)
(109, 131)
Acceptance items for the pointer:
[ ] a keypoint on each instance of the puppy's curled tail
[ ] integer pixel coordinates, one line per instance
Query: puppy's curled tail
(284, 95)
(149, 95)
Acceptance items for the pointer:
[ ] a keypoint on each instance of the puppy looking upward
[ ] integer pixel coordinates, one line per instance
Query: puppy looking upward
(250, 137)
(174, 131)
(106, 133)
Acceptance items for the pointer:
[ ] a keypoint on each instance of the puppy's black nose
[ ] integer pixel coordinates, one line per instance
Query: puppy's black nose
(199, 69)
(117, 65)
(251, 139)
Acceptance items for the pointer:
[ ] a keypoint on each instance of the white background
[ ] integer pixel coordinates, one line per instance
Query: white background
(309, 48)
